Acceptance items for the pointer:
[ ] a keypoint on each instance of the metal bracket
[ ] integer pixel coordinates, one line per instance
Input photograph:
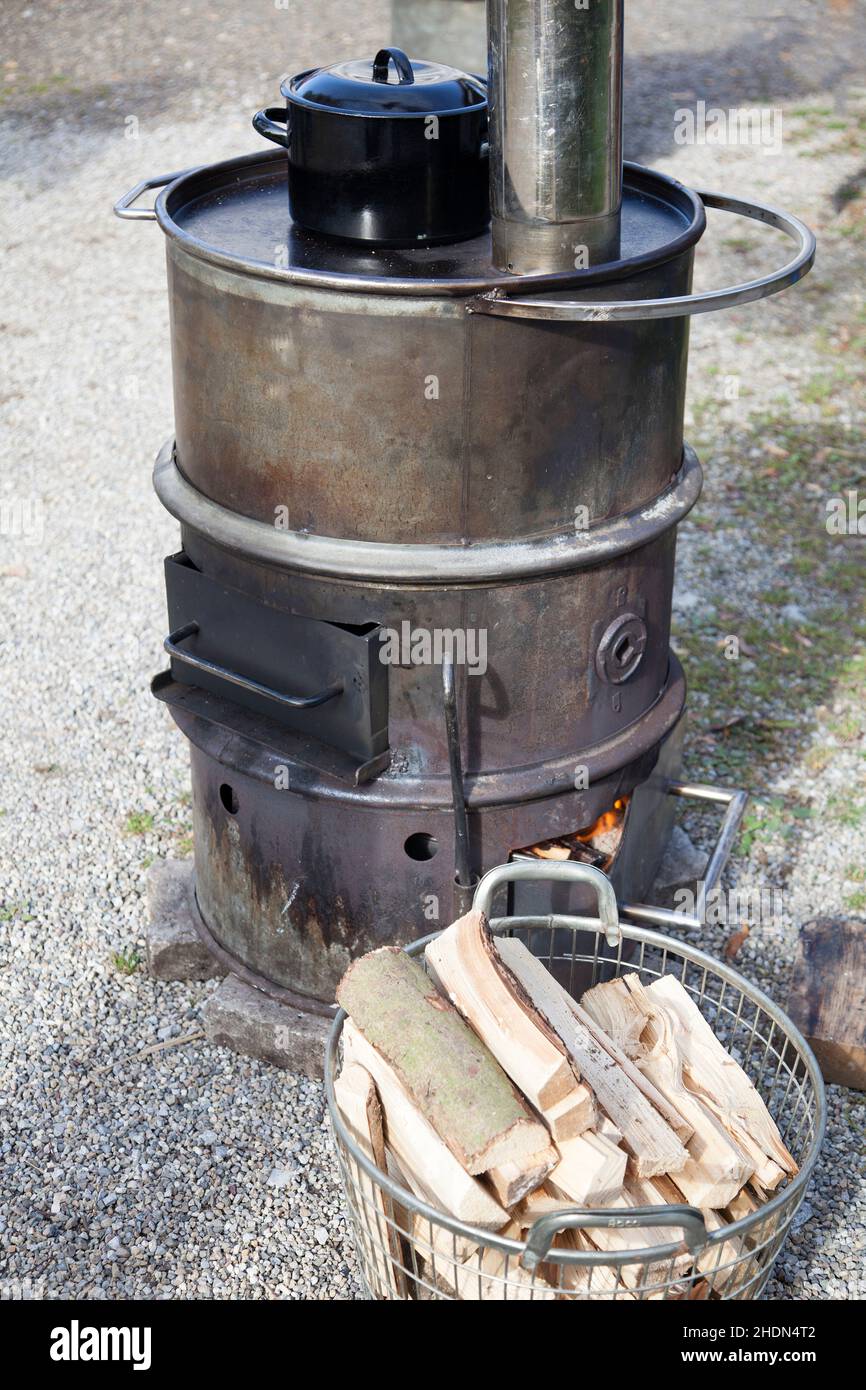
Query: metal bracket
(465, 882)
(735, 802)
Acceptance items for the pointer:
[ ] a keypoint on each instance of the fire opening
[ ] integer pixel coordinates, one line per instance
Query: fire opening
(596, 844)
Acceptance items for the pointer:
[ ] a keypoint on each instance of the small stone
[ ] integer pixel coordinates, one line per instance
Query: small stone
(683, 862)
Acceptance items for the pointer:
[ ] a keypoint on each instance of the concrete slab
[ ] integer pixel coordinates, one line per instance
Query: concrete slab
(247, 1021)
(174, 949)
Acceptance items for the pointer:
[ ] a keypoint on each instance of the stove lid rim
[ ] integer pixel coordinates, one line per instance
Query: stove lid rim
(637, 178)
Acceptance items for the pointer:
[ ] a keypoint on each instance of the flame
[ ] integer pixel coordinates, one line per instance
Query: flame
(563, 846)
(608, 820)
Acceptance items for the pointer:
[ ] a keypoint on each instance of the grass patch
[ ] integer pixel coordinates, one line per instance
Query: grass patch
(800, 638)
(127, 961)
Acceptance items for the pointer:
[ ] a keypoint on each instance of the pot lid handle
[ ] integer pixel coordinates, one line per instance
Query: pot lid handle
(382, 61)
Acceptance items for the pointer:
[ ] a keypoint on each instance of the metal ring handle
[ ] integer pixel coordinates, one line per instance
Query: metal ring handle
(499, 302)
(273, 123)
(382, 61)
(541, 1233)
(123, 207)
(559, 872)
(255, 687)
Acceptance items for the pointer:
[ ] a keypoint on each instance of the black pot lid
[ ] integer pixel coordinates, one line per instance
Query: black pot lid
(387, 85)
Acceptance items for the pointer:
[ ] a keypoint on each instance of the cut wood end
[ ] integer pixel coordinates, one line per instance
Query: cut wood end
(513, 1181)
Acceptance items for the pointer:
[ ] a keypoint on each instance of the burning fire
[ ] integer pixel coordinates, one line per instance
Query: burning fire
(607, 821)
(595, 844)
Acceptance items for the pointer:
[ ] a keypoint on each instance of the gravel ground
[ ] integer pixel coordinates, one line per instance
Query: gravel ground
(190, 1172)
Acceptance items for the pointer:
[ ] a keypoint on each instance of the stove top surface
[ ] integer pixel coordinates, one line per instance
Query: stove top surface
(236, 213)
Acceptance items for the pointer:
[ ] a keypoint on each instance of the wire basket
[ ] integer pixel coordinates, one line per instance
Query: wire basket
(409, 1249)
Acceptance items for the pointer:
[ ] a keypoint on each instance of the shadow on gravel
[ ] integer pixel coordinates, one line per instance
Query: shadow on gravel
(759, 71)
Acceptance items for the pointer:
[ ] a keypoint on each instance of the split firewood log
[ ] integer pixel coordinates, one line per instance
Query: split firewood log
(718, 1263)
(713, 1074)
(572, 1115)
(359, 1106)
(744, 1204)
(455, 1082)
(511, 1181)
(717, 1166)
(591, 1170)
(715, 1261)
(465, 962)
(601, 1282)
(418, 1148)
(439, 1247)
(606, 1127)
(651, 1141)
(643, 1193)
(677, 1121)
(485, 1274)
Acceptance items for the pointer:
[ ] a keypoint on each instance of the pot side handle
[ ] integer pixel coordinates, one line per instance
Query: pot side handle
(123, 207)
(273, 123)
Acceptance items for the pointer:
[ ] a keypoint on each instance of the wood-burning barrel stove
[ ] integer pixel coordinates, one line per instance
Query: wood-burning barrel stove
(428, 495)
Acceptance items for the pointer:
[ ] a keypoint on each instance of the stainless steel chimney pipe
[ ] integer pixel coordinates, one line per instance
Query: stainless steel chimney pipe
(555, 70)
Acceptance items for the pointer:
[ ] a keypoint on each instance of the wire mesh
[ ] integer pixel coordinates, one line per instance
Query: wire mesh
(409, 1250)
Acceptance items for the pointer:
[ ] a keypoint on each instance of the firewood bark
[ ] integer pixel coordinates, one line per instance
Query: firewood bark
(455, 1082)
(591, 1171)
(713, 1075)
(416, 1145)
(654, 1146)
(465, 962)
(359, 1106)
(828, 997)
(513, 1180)
(718, 1166)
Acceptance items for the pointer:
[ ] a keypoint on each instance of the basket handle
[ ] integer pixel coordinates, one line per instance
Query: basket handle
(560, 872)
(541, 1233)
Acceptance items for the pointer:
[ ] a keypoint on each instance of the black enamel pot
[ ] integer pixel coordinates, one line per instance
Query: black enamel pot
(389, 152)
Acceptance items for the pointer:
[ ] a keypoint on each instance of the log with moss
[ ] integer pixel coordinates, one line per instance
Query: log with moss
(452, 1078)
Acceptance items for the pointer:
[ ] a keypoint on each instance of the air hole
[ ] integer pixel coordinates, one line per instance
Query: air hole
(229, 799)
(421, 846)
